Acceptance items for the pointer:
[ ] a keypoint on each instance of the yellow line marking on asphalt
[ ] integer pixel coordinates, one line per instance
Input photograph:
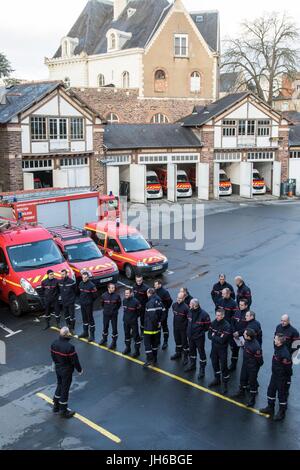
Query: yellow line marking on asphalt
(86, 421)
(175, 377)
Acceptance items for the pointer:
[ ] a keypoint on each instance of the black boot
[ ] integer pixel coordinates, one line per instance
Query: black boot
(67, 414)
(281, 414)
(176, 356)
(85, 333)
(240, 394)
(268, 410)
(201, 372)
(113, 345)
(224, 388)
(55, 405)
(103, 341)
(251, 401)
(127, 350)
(215, 382)
(149, 361)
(136, 352)
(154, 357)
(185, 358)
(92, 335)
(191, 366)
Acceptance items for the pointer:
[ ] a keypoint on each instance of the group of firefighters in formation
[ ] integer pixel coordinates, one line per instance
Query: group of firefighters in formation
(146, 316)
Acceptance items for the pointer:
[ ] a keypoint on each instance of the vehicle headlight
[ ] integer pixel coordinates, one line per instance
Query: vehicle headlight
(114, 266)
(28, 287)
(166, 260)
(141, 264)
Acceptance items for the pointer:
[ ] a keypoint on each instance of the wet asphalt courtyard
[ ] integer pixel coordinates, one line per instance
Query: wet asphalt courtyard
(125, 407)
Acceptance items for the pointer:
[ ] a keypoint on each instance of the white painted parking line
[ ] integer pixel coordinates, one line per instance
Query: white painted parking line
(170, 272)
(124, 285)
(10, 332)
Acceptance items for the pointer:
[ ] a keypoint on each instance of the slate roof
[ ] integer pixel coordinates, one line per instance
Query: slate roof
(293, 116)
(209, 27)
(203, 114)
(151, 136)
(21, 97)
(294, 138)
(97, 18)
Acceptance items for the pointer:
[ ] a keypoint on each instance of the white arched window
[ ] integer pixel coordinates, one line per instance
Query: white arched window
(113, 41)
(101, 80)
(125, 80)
(195, 82)
(112, 118)
(159, 118)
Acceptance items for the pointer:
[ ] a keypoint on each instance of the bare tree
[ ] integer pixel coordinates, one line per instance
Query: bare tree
(5, 67)
(264, 53)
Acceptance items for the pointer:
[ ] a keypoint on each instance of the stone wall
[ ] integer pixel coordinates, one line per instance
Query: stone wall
(130, 108)
(11, 175)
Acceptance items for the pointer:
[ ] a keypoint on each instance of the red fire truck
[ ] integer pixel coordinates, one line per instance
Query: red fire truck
(26, 254)
(57, 207)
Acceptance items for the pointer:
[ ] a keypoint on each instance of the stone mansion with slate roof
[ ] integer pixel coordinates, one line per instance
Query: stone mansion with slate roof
(153, 46)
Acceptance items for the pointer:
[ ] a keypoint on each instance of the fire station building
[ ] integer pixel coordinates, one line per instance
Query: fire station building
(48, 138)
(238, 136)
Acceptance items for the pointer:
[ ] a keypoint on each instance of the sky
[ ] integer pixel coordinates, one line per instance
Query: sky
(31, 30)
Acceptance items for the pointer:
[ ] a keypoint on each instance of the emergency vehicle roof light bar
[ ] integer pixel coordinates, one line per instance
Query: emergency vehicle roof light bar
(67, 232)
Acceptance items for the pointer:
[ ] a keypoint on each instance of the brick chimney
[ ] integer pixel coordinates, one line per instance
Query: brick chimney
(119, 6)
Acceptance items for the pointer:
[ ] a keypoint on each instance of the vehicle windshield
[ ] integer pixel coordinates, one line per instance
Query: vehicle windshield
(257, 177)
(134, 243)
(224, 178)
(31, 256)
(182, 179)
(152, 179)
(80, 252)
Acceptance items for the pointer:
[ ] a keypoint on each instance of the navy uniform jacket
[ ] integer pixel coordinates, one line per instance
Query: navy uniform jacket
(165, 297)
(131, 309)
(220, 334)
(216, 293)
(50, 289)
(252, 355)
(181, 312)
(244, 292)
(88, 292)
(199, 323)
(67, 288)
(230, 307)
(111, 303)
(64, 356)
(140, 293)
(282, 363)
(154, 314)
(290, 333)
(256, 327)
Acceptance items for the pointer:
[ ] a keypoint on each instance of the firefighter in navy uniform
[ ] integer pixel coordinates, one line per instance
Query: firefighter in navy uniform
(220, 334)
(167, 301)
(231, 310)
(198, 324)
(254, 325)
(132, 309)
(180, 325)
(243, 291)
(67, 289)
(252, 362)
(239, 325)
(51, 295)
(88, 294)
(217, 289)
(154, 313)
(187, 296)
(291, 335)
(140, 290)
(281, 375)
(111, 302)
(66, 361)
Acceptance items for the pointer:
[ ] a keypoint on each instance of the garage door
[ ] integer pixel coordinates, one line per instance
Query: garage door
(294, 172)
(276, 179)
(52, 215)
(113, 180)
(203, 181)
(83, 211)
(217, 180)
(138, 183)
(246, 179)
(172, 182)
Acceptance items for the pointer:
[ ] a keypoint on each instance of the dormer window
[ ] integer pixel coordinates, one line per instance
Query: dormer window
(113, 41)
(68, 46)
(199, 19)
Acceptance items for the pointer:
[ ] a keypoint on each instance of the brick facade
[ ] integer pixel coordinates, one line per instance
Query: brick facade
(132, 109)
(97, 170)
(11, 174)
(283, 153)
(207, 154)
